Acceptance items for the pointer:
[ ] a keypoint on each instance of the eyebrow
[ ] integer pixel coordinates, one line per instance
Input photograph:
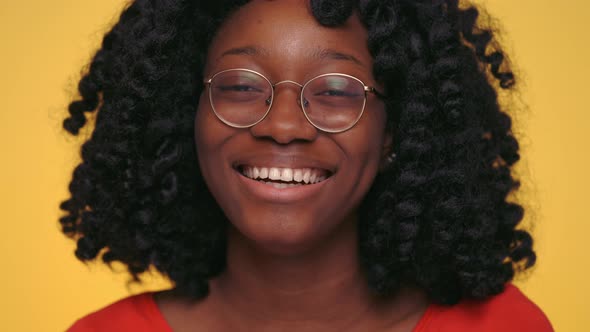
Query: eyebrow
(249, 50)
(327, 53)
(319, 54)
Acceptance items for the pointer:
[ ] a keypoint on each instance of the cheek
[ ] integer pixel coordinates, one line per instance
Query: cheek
(210, 133)
(366, 147)
(212, 139)
(209, 137)
(362, 147)
(367, 140)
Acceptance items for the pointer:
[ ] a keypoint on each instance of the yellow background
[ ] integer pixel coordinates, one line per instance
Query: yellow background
(44, 45)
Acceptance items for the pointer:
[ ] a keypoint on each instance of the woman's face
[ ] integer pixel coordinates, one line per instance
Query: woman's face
(282, 41)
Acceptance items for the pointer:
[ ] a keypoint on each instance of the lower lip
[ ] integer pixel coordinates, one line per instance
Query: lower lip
(280, 195)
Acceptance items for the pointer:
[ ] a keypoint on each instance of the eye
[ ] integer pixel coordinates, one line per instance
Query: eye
(239, 85)
(234, 88)
(333, 87)
(238, 88)
(336, 93)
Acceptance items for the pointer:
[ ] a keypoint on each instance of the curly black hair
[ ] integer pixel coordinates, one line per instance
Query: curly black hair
(439, 219)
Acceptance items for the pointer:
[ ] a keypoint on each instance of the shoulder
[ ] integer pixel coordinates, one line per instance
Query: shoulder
(134, 313)
(508, 311)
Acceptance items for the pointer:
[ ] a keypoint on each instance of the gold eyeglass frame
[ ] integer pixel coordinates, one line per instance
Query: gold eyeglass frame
(367, 89)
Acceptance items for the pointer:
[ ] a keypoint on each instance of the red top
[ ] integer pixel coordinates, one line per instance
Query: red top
(510, 311)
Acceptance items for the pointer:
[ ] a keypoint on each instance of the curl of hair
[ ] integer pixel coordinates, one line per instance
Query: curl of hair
(438, 219)
(332, 12)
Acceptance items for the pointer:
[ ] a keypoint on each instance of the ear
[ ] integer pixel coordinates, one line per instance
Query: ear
(386, 152)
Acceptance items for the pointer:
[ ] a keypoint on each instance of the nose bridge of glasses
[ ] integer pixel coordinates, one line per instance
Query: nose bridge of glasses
(287, 81)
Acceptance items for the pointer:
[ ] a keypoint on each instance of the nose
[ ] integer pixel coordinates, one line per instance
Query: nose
(285, 122)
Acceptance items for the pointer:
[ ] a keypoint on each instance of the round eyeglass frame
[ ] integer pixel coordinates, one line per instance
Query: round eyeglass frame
(366, 88)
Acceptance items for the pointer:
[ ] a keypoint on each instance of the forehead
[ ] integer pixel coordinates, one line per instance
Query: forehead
(287, 30)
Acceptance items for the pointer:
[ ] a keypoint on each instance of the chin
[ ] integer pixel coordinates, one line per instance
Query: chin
(283, 234)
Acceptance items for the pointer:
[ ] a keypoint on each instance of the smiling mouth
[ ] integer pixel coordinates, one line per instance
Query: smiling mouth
(281, 177)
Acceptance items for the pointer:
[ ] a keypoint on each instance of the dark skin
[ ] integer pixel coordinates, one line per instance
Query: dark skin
(292, 261)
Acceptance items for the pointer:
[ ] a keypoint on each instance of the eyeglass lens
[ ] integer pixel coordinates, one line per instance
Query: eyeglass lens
(331, 102)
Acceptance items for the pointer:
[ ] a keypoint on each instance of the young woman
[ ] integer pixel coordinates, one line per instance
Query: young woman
(302, 166)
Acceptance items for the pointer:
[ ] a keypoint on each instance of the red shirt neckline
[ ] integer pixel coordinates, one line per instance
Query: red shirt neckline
(154, 314)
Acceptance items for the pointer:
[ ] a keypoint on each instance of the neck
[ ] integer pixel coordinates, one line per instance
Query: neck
(321, 289)
(321, 282)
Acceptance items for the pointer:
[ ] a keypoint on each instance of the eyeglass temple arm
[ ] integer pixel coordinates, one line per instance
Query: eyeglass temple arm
(374, 91)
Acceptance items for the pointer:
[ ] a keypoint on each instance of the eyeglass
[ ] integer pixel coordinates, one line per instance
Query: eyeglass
(332, 102)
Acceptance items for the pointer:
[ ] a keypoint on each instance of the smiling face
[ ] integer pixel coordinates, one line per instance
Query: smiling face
(328, 173)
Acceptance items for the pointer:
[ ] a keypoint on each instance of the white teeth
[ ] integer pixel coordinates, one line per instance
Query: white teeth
(274, 173)
(306, 172)
(280, 185)
(303, 175)
(298, 175)
(255, 172)
(287, 175)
